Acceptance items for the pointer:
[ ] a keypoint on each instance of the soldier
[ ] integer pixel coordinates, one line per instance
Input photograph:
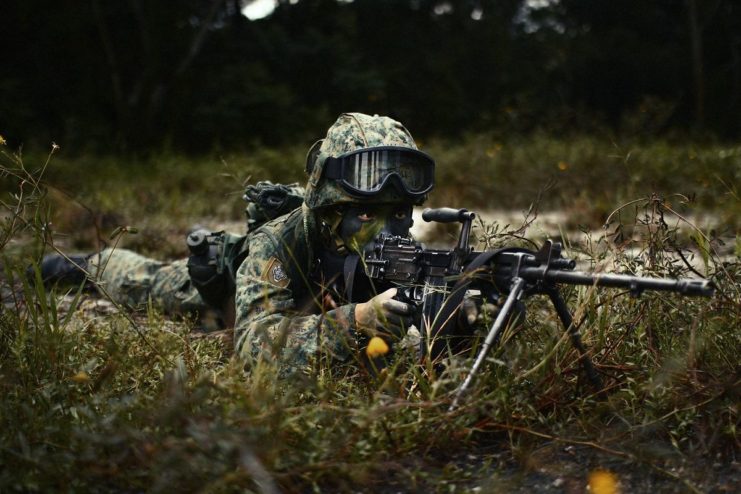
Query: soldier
(301, 290)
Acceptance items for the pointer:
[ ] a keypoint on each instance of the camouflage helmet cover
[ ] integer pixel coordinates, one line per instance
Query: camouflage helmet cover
(353, 131)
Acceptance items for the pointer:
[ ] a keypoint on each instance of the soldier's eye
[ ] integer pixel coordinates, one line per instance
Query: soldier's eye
(400, 214)
(365, 217)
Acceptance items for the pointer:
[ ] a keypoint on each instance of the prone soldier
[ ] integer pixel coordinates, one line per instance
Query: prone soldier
(302, 292)
(301, 289)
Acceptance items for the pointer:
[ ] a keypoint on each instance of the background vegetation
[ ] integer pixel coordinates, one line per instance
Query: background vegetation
(96, 398)
(137, 75)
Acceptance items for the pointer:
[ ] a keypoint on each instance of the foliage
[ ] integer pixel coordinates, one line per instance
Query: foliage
(587, 176)
(138, 75)
(110, 402)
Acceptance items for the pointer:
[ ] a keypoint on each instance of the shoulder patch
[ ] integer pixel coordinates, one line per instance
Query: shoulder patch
(275, 274)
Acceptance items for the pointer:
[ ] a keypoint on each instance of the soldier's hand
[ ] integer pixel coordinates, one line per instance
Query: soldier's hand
(382, 314)
(476, 313)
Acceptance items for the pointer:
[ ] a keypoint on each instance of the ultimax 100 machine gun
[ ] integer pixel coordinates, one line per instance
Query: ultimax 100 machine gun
(436, 280)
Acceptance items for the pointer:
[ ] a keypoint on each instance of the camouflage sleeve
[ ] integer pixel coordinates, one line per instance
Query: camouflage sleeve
(269, 325)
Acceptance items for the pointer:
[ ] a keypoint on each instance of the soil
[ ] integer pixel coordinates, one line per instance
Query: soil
(562, 468)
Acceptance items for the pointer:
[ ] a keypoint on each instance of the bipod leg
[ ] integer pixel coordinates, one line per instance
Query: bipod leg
(568, 323)
(518, 285)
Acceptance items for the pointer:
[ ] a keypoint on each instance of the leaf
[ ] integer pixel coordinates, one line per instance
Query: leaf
(703, 245)
(116, 232)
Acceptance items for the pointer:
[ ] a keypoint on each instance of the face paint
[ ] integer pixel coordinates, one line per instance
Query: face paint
(361, 225)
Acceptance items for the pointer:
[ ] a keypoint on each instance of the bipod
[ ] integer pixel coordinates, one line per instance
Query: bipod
(518, 287)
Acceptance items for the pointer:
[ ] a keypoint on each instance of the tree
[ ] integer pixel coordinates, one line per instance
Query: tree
(169, 40)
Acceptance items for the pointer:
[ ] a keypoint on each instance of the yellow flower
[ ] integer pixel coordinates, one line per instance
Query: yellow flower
(81, 377)
(2, 141)
(492, 151)
(563, 166)
(603, 482)
(376, 347)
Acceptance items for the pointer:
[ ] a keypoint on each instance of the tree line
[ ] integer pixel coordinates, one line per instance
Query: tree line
(194, 74)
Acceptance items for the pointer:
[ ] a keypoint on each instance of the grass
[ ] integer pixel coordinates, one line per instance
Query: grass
(104, 400)
(587, 177)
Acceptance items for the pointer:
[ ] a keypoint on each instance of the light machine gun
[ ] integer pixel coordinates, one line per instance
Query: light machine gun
(436, 281)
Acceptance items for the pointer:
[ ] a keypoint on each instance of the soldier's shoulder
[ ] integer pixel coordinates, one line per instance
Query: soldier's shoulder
(287, 221)
(282, 228)
(278, 234)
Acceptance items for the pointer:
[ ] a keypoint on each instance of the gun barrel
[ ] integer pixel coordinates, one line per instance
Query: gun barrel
(684, 286)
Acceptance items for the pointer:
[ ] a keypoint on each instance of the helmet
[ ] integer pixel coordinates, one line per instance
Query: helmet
(379, 142)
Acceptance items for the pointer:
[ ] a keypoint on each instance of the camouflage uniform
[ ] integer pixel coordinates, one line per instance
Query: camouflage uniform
(133, 280)
(280, 309)
(283, 312)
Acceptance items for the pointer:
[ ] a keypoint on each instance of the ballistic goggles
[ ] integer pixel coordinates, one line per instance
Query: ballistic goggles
(366, 171)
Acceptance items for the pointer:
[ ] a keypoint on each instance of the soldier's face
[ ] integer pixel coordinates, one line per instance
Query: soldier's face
(361, 225)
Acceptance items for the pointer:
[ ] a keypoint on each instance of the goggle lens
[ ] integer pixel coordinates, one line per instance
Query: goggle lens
(367, 171)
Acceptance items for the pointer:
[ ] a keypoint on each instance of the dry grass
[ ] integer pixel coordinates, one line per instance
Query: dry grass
(98, 401)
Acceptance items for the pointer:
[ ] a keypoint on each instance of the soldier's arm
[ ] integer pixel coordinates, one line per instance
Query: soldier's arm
(270, 325)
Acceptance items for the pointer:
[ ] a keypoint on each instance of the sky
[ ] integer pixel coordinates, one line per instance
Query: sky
(258, 9)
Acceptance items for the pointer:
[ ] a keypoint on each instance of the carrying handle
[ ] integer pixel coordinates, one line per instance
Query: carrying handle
(447, 215)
